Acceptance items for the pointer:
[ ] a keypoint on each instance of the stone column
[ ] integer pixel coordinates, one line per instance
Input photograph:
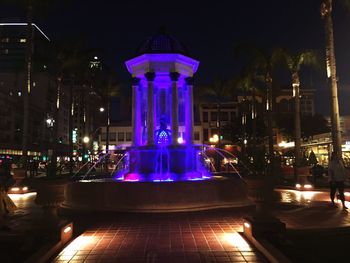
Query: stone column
(136, 112)
(174, 76)
(150, 76)
(189, 110)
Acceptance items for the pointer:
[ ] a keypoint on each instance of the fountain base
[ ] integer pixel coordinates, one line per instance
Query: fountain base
(164, 163)
(151, 197)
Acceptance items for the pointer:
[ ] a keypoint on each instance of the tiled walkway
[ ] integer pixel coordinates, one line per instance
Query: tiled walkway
(197, 237)
(178, 238)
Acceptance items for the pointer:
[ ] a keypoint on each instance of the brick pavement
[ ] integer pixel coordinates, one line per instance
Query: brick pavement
(205, 237)
(189, 237)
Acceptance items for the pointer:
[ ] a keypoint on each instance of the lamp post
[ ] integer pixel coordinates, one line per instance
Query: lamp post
(86, 141)
(108, 121)
(50, 124)
(215, 139)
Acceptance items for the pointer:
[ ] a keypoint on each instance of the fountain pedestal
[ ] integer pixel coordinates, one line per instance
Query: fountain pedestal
(155, 197)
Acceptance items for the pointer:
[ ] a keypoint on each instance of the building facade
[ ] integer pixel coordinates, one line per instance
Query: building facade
(43, 97)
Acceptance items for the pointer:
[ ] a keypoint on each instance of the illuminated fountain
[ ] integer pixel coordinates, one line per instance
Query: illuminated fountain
(163, 170)
(162, 110)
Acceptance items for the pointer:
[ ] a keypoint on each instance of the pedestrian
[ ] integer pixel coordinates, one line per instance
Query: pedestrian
(31, 168)
(36, 167)
(6, 204)
(317, 172)
(336, 177)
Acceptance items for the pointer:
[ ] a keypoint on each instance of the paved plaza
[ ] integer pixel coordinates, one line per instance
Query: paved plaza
(200, 237)
(213, 236)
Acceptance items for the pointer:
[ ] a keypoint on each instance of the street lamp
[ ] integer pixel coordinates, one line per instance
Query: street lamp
(86, 139)
(214, 138)
(102, 109)
(50, 122)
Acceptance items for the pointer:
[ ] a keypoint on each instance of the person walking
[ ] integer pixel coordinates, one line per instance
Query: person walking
(336, 177)
(6, 204)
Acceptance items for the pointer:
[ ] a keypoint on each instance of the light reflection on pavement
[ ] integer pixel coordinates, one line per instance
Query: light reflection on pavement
(297, 197)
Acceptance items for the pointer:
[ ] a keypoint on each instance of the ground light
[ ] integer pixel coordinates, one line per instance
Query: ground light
(66, 233)
(22, 197)
(18, 190)
(303, 186)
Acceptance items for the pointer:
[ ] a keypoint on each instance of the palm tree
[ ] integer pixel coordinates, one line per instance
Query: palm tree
(219, 91)
(248, 83)
(106, 86)
(75, 67)
(326, 13)
(263, 63)
(294, 64)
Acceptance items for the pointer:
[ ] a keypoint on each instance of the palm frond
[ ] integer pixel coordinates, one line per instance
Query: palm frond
(281, 56)
(307, 58)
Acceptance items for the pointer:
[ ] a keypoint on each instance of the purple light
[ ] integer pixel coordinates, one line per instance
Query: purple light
(134, 64)
(162, 106)
(133, 177)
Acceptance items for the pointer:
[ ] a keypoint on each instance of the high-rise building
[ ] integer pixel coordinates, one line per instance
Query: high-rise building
(42, 98)
(13, 42)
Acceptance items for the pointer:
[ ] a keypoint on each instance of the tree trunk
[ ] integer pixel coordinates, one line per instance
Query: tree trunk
(71, 112)
(254, 116)
(297, 128)
(27, 89)
(85, 132)
(244, 126)
(218, 125)
(269, 123)
(326, 13)
(108, 123)
(53, 162)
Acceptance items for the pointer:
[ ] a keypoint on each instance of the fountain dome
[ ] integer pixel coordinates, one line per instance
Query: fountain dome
(162, 42)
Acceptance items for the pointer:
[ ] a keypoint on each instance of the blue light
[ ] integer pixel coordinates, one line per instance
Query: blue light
(163, 137)
(162, 149)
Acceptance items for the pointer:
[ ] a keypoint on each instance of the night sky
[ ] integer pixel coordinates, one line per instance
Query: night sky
(210, 31)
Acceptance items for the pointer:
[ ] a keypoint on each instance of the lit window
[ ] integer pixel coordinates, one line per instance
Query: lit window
(23, 40)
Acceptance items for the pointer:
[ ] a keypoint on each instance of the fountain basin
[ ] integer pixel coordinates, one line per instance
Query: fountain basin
(164, 163)
(177, 196)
